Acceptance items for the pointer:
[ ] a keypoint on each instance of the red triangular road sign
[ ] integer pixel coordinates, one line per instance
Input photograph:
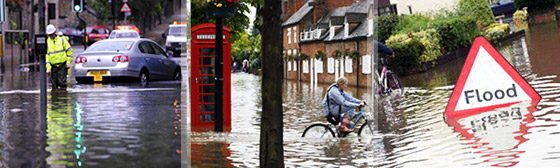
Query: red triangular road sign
(125, 8)
(487, 82)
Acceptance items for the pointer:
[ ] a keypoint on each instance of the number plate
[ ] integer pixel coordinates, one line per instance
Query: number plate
(98, 75)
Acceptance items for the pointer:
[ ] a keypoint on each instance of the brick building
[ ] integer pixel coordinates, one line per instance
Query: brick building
(328, 26)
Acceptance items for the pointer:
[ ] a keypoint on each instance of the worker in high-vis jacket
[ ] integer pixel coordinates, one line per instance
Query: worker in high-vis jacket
(59, 58)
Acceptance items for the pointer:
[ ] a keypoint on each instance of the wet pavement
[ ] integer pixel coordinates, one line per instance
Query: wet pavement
(92, 125)
(410, 131)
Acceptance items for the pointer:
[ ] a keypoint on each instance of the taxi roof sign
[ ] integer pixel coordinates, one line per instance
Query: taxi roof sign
(487, 82)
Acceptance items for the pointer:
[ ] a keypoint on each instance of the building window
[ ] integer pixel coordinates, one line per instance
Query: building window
(318, 66)
(295, 34)
(289, 62)
(289, 36)
(366, 64)
(305, 66)
(348, 64)
(409, 9)
(370, 26)
(330, 65)
(295, 62)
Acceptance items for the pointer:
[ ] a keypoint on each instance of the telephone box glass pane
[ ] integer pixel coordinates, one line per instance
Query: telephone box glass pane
(208, 108)
(208, 51)
(208, 61)
(207, 98)
(208, 80)
(207, 70)
(208, 89)
(208, 117)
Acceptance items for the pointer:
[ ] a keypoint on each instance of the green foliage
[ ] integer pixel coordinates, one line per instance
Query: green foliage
(412, 23)
(319, 54)
(302, 56)
(520, 20)
(409, 49)
(237, 24)
(241, 48)
(478, 9)
(355, 54)
(455, 32)
(102, 8)
(336, 54)
(386, 26)
(430, 39)
(496, 30)
(535, 5)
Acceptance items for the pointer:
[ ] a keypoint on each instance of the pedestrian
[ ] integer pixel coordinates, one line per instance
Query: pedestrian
(60, 34)
(59, 59)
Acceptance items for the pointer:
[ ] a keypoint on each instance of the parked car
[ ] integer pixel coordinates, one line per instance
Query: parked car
(96, 33)
(75, 36)
(142, 59)
(123, 34)
(176, 38)
(503, 7)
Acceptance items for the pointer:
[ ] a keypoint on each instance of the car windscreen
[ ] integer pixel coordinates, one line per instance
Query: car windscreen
(127, 35)
(111, 46)
(178, 31)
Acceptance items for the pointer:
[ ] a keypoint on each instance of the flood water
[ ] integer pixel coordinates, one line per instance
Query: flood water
(108, 125)
(410, 131)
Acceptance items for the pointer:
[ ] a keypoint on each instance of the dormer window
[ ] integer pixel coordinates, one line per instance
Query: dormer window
(346, 30)
(331, 35)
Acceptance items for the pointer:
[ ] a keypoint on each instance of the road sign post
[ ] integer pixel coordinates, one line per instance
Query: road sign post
(125, 9)
(2, 20)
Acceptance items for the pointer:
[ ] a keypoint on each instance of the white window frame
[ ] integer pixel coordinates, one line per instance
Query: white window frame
(289, 62)
(370, 26)
(305, 66)
(348, 65)
(295, 34)
(366, 64)
(318, 66)
(295, 62)
(330, 65)
(290, 35)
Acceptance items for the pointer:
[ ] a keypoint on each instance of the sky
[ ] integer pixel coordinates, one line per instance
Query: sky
(251, 16)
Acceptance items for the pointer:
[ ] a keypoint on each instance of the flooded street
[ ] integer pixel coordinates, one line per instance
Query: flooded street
(410, 131)
(106, 125)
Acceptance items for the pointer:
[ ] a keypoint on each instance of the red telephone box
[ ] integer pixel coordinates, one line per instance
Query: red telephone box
(203, 58)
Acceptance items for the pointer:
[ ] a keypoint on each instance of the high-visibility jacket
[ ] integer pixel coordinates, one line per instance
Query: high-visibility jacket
(58, 51)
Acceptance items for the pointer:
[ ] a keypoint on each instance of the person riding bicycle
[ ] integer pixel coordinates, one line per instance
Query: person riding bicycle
(337, 102)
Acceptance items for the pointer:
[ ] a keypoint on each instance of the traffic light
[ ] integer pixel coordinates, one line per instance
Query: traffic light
(77, 5)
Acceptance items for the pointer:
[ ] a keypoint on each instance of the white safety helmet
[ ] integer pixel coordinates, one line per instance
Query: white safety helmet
(59, 33)
(50, 29)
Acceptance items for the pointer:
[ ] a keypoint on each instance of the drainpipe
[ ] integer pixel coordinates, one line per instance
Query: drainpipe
(358, 65)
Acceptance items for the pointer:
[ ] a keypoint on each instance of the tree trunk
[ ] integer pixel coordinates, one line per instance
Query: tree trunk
(271, 150)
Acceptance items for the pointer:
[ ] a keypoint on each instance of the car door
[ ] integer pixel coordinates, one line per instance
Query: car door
(152, 60)
(167, 64)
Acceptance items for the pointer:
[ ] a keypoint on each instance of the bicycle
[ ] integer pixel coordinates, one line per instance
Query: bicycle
(388, 82)
(325, 130)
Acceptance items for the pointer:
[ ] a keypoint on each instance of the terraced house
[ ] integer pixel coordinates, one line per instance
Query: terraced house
(325, 40)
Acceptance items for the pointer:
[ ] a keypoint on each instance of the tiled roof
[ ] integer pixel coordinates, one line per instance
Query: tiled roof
(360, 31)
(298, 15)
(333, 13)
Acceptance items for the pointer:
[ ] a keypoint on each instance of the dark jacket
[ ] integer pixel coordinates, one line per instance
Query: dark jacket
(382, 48)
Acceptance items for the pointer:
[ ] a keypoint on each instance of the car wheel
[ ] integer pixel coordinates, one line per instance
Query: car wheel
(81, 80)
(177, 75)
(144, 77)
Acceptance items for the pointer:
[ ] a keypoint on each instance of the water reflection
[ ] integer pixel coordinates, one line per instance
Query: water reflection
(496, 135)
(91, 129)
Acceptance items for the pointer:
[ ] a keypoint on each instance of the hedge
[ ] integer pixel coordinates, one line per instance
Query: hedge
(408, 50)
(455, 32)
(386, 26)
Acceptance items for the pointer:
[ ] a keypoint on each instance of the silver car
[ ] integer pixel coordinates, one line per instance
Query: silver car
(117, 58)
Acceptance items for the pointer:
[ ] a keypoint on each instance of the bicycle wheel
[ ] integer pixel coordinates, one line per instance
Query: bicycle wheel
(395, 83)
(318, 130)
(366, 130)
(379, 86)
